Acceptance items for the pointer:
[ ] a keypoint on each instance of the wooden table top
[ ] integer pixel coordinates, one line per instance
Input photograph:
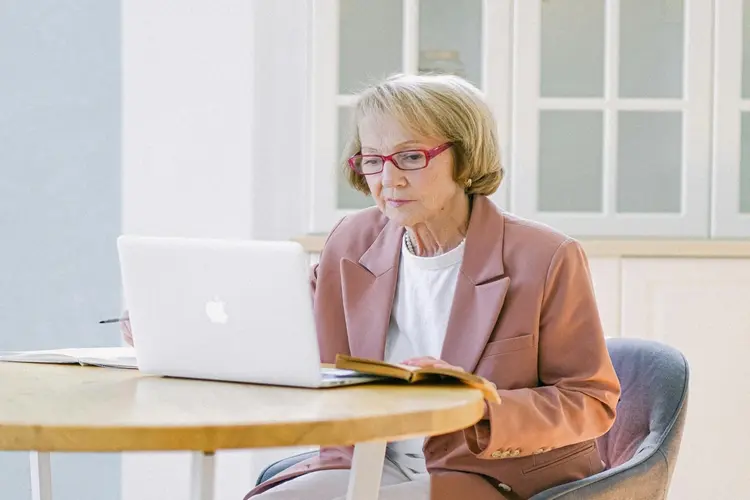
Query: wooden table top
(75, 408)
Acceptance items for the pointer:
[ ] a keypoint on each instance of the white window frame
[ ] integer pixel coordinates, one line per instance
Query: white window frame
(727, 220)
(325, 99)
(693, 221)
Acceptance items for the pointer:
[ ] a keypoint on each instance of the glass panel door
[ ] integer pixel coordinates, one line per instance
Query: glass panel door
(731, 161)
(745, 165)
(603, 132)
(572, 48)
(377, 39)
(371, 47)
(649, 162)
(371, 42)
(450, 38)
(651, 48)
(570, 138)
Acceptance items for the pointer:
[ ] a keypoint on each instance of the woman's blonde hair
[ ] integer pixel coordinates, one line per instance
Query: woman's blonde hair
(439, 106)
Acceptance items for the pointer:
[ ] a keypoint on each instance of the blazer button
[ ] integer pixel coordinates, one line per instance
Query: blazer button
(515, 452)
(504, 487)
(497, 454)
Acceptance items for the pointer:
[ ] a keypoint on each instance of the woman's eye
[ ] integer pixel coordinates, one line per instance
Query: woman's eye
(412, 157)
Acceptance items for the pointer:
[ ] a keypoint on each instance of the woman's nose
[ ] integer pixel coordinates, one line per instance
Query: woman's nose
(391, 176)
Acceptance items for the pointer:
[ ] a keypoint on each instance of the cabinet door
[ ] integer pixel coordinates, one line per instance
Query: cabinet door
(611, 121)
(731, 161)
(702, 308)
(605, 276)
(358, 42)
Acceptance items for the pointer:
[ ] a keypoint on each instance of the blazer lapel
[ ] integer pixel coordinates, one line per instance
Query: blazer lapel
(480, 289)
(368, 288)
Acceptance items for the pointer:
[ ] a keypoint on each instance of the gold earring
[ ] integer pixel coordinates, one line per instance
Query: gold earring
(468, 183)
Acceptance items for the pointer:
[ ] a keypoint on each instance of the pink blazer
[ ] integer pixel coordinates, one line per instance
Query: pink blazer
(523, 316)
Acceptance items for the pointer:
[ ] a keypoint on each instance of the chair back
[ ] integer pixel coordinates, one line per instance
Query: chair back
(640, 450)
(654, 381)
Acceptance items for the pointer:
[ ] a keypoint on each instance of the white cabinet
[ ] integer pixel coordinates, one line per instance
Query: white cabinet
(608, 110)
(701, 307)
(605, 274)
(611, 116)
(731, 159)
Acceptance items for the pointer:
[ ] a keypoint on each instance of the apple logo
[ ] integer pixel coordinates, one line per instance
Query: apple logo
(216, 311)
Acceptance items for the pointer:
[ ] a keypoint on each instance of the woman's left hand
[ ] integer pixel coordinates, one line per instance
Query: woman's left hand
(425, 361)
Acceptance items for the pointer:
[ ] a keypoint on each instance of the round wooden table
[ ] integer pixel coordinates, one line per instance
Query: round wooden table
(48, 408)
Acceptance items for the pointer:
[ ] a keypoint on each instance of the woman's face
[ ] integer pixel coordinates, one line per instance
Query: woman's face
(407, 197)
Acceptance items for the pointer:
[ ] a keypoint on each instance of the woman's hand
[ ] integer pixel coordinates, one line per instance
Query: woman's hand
(127, 333)
(425, 361)
(438, 363)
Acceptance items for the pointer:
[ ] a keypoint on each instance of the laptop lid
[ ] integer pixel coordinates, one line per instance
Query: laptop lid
(221, 309)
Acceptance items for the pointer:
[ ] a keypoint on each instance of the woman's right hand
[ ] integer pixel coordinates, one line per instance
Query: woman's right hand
(127, 333)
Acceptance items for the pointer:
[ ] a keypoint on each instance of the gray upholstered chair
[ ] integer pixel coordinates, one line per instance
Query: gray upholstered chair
(641, 449)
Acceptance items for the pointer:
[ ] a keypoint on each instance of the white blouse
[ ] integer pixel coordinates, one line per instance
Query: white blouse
(419, 318)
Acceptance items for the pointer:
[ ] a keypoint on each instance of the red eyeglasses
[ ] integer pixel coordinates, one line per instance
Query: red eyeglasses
(413, 159)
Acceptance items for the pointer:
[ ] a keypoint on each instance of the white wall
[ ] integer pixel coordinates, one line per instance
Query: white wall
(281, 157)
(187, 146)
(214, 145)
(187, 117)
(59, 203)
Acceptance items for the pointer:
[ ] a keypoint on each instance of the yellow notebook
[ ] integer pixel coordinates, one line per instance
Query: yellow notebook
(416, 374)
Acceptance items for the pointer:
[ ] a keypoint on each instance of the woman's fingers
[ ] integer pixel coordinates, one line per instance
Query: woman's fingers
(421, 361)
(430, 361)
(127, 334)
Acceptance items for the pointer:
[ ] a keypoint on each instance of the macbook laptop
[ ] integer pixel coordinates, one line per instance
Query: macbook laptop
(224, 310)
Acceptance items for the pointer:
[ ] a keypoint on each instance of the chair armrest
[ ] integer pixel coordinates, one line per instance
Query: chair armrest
(635, 479)
(280, 466)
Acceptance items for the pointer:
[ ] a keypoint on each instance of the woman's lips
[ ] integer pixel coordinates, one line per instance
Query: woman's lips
(394, 202)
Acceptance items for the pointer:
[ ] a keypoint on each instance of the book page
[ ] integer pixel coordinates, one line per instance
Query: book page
(45, 356)
(120, 357)
(115, 357)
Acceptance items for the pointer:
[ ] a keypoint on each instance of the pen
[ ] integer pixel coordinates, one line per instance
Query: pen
(113, 320)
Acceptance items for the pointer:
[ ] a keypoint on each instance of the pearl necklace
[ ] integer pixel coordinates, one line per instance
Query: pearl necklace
(410, 244)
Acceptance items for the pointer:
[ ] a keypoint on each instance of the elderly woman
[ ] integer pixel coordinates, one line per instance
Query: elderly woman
(437, 274)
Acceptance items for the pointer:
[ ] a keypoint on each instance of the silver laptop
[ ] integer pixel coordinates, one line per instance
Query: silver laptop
(224, 310)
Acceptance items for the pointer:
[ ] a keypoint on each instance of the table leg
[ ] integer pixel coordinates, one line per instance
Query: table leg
(202, 476)
(367, 470)
(41, 475)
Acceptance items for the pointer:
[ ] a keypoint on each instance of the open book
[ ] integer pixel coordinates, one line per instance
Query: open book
(112, 357)
(416, 374)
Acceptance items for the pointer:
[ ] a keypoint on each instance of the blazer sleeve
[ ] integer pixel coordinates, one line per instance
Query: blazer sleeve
(314, 267)
(325, 284)
(579, 389)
